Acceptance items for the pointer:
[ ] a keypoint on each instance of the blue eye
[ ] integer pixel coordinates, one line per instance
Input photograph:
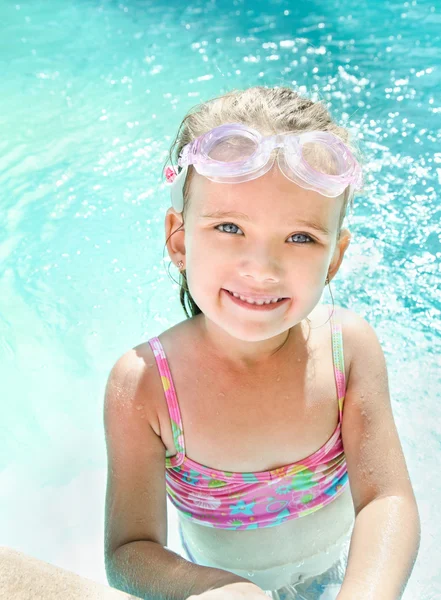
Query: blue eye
(304, 235)
(226, 225)
(311, 241)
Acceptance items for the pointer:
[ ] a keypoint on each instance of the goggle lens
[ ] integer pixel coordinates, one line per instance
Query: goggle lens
(322, 158)
(232, 148)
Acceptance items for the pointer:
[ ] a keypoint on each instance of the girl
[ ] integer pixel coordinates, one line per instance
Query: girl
(264, 416)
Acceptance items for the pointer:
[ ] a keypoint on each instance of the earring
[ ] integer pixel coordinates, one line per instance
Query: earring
(180, 264)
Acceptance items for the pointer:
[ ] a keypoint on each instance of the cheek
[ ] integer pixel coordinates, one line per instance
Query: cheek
(203, 272)
(311, 264)
(200, 261)
(206, 256)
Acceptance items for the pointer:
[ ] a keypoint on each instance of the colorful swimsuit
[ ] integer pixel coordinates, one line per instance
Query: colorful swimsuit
(228, 500)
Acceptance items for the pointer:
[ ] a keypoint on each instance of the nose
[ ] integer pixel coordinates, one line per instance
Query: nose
(260, 265)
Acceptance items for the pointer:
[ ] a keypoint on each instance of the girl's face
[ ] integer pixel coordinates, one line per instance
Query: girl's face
(273, 248)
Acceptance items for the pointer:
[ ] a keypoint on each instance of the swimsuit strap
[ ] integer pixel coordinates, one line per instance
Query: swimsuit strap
(172, 403)
(338, 357)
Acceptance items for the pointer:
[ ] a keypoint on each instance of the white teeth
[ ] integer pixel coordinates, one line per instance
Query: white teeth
(259, 302)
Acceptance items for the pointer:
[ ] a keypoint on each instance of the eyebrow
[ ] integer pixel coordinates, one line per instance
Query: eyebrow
(219, 214)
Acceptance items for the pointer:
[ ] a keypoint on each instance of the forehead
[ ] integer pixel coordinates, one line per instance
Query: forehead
(271, 198)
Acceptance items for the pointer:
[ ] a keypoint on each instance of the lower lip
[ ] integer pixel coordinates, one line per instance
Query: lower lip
(260, 307)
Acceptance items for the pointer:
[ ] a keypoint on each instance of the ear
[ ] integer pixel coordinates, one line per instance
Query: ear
(339, 252)
(174, 222)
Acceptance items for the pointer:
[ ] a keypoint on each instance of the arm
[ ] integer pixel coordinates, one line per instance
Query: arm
(150, 571)
(136, 559)
(386, 536)
(384, 546)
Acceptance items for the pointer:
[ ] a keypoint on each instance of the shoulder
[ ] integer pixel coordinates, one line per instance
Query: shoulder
(368, 360)
(132, 366)
(133, 386)
(359, 337)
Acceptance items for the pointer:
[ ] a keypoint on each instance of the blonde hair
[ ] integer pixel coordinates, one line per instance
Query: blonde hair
(270, 111)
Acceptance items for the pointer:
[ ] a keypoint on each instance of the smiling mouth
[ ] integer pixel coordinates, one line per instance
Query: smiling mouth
(256, 304)
(255, 298)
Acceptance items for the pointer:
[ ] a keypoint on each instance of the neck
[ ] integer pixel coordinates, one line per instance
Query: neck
(246, 356)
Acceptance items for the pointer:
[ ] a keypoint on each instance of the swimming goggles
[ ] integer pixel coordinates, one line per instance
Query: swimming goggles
(234, 153)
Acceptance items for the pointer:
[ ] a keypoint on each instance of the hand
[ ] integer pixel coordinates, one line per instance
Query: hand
(232, 591)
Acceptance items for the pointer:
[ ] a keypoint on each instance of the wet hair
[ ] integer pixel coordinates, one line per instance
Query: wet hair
(268, 110)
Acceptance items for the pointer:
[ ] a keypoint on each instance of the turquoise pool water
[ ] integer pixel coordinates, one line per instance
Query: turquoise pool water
(92, 93)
